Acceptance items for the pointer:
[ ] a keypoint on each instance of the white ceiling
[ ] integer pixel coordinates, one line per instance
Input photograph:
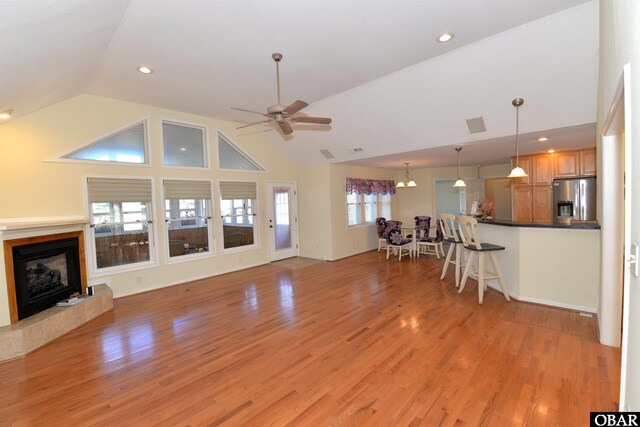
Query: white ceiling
(373, 66)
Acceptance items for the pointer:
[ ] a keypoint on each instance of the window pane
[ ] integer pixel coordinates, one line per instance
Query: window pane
(230, 157)
(183, 145)
(125, 146)
(188, 236)
(238, 226)
(117, 243)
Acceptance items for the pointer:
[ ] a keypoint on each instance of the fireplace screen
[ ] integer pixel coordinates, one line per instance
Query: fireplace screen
(46, 276)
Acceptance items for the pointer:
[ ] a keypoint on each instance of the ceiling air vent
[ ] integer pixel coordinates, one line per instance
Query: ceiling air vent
(476, 125)
(326, 153)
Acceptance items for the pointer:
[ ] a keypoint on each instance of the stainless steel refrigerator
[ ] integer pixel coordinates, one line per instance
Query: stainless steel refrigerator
(574, 200)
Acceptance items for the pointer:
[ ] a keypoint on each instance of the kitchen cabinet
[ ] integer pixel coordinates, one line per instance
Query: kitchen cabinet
(566, 164)
(588, 162)
(542, 170)
(522, 210)
(542, 204)
(525, 164)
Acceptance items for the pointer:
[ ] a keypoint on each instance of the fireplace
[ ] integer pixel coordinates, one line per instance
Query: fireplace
(45, 270)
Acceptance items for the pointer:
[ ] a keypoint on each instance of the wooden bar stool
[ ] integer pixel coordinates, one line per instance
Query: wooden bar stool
(451, 236)
(474, 246)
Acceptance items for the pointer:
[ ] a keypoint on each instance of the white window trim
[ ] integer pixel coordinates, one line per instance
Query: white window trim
(206, 147)
(210, 232)
(59, 158)
(90, 243)
(233, 144)
(256, 222)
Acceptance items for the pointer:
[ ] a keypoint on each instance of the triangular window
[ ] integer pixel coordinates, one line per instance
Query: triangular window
(232, 157)
(124, 146)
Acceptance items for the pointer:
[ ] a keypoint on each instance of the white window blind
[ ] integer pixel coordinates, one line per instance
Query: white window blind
(102, 190)
(177, 189)
(238, 190)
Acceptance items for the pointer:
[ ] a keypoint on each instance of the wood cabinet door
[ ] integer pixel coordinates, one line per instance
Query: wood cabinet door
(542, 204)
(525, 163)
(567, 164)
(522, 204)
(542, 170)
(588, 162)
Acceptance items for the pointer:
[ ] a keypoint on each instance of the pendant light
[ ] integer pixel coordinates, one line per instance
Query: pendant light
(459, 182)
(408, 182)
(517, 172)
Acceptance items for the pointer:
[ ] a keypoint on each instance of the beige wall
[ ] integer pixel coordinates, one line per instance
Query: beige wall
(314, 212)
(34, 188)
(421, 200)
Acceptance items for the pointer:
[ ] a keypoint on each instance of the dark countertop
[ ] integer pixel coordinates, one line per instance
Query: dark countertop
(510, 223)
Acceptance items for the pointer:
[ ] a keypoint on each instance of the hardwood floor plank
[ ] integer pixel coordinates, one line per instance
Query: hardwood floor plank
(361, 341)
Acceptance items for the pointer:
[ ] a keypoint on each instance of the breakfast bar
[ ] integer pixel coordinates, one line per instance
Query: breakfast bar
(550, 264)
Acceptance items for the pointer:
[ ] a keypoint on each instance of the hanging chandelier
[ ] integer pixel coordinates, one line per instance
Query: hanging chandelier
(517, 172)
(459, 182)
(407, 182)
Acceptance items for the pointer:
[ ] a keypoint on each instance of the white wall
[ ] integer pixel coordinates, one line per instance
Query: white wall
(620, 45)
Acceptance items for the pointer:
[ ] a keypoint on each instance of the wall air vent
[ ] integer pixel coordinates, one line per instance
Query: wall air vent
(326, 153)
(476, 125)
(357, 149)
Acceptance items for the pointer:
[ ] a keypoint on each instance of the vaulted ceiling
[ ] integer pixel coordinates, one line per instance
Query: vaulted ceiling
(373, 66)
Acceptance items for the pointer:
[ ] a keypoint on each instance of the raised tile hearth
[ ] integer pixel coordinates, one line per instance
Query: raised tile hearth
(22, 337)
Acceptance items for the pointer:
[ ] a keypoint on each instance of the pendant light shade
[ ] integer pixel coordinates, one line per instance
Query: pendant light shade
(517, 172)
(459, 182)
(407, 182)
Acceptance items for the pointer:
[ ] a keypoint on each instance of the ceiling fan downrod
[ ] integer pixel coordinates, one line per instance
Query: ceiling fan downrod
(277, 57)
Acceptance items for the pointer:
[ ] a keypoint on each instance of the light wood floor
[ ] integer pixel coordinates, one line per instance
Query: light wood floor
(361, 341)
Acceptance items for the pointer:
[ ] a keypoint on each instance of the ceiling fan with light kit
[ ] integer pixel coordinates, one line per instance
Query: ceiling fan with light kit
(283, 115)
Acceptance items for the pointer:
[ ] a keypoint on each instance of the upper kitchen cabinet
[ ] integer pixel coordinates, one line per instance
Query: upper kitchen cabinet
(525, 163)
(542, 170)
(566, 164)
(588, 162)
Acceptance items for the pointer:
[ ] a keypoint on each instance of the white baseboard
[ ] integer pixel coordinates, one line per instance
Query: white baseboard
(177, 282)
(592, 310)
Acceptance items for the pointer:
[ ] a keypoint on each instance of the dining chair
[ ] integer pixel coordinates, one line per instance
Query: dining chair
(395, 240)
(432, 245)
(381, 224)
(475, 247)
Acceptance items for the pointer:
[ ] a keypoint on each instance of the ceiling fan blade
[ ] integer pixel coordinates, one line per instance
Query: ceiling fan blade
(248, 111)
(285, 127)
(316, 120)
(251, 124)
(295, 107)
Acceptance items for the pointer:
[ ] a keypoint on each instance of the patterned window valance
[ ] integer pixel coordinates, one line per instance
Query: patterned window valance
(370, 186)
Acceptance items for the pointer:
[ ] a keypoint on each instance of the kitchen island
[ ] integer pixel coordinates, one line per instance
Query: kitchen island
(557, 265)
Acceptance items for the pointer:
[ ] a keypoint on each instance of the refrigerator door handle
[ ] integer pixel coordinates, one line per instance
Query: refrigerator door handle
(583, 202)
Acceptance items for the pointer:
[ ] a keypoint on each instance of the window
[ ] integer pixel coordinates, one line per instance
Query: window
(368, 199)
(237, 210)
(125, 146)
(187, 218)
(365, 208)
(183, 145)
(354, 209)
(231, 157)
(121, 218)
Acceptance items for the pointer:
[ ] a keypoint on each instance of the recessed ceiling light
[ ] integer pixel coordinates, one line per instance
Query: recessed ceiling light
(445, 37)
(183, 149)
(6, 114)
(551, 151)
(144, 69)
(543, 139)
